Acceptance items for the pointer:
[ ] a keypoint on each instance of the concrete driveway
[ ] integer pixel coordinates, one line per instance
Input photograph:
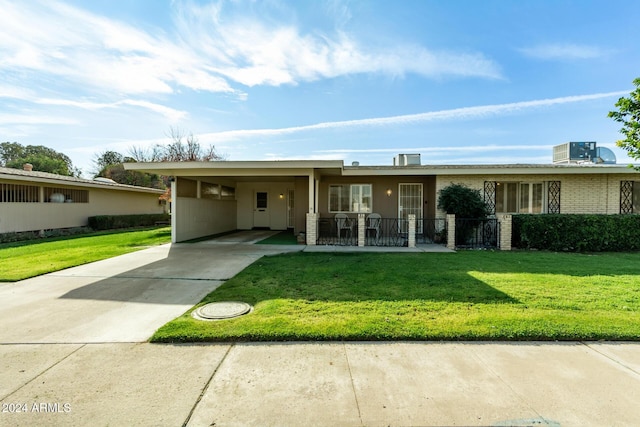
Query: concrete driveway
(122, 299)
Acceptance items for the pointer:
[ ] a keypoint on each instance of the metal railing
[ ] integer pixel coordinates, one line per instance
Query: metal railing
(332, 232)
(474, 233)
(386, 232)
(380, 231)
(434, 230)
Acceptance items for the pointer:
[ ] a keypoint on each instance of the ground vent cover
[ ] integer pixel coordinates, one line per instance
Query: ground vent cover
(221, 310)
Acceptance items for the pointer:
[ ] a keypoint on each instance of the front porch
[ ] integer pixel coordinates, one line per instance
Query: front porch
(373, 231)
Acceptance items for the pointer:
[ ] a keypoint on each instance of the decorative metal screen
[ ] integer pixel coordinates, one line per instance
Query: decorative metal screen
(18, 193)
(626, 197)
(66, 195)
(490, 195)
(553, 197)
(410, 202)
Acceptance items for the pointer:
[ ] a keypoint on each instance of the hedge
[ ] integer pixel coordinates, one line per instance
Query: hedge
(577, 233)
(110, 222)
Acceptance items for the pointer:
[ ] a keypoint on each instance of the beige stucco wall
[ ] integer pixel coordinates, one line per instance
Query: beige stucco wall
(202, 217)
(17, 217)
(277, 207)
(579, 194)
(386, 206)
(301, 205)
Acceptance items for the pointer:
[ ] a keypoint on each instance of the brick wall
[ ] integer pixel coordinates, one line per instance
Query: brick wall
(579, 193)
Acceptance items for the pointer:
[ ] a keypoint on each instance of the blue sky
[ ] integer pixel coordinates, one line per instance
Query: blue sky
(460, 82)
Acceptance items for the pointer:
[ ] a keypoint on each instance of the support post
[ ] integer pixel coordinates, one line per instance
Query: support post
(505, 222)
(312, 228)
(412, 231)
(174, 204)
(451, 231)
(361, 229)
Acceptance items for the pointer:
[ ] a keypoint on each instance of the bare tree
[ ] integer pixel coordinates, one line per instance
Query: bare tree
(186, 148)
(146, 154)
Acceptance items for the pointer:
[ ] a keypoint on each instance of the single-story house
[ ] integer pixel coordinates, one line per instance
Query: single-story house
(306, 195)
(37, 201)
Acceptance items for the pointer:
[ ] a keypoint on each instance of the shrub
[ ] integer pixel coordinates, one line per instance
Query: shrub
(42, 234)
(462, 201)
(110, 222)
(577, 233)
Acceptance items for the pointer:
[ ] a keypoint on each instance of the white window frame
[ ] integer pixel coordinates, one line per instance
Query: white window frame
(355, 203)
(518, 202)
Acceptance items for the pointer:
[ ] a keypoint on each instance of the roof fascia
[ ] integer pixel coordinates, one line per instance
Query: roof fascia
(487, 170)
(97, 185)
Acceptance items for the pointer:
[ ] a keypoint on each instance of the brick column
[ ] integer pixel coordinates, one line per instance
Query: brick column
(361, 230)
(312, 228)
(412, 230)
(451, 231)
(505, 222)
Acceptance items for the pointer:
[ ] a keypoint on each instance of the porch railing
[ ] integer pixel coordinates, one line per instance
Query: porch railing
(330, 232)
(477, 233)
(380, 232)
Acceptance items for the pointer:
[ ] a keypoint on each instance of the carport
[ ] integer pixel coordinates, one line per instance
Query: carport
(210, 198)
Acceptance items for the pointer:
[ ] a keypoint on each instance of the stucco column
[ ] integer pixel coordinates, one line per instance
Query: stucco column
(451, 231)
(174, 203)
(312, 195)
(312, 228)
(412, 230)
(361, 230)
(505, 222)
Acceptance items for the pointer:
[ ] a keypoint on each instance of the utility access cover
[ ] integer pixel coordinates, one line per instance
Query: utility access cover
(221, 310)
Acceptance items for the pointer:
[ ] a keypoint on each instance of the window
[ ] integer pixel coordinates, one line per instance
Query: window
(519, 197)
(65, 195)
(350, 198)
(18, 193)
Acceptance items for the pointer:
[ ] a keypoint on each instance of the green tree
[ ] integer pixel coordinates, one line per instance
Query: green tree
(110, 164)
(43, 159)
(628, 114)
(462, 201)
(106, 159)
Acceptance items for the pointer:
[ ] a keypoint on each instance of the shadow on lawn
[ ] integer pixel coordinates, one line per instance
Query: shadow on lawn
(357, 277)
(339, 276)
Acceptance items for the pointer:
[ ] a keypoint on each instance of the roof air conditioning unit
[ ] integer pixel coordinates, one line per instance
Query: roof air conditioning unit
(406, 160)
(574, 152)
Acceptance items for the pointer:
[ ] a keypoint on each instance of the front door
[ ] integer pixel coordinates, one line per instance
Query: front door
(261, 210)
(410, 202)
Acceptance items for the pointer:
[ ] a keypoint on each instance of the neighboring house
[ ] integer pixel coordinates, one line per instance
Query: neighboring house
(35, 201)
(217, 197)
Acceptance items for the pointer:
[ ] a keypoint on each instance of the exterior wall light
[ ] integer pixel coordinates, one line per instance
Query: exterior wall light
(388, 192)
(281, 196)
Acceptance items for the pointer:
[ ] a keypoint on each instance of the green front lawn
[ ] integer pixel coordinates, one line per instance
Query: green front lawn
(26, 259)
(470, 295)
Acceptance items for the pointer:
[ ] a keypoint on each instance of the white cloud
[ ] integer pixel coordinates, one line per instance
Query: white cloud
(173, 115)
(209, 48)
(456, 113)
(562, 51)
(35, 119)
(251, 50)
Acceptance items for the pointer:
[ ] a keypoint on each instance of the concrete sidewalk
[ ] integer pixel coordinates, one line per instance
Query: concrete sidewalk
(320, 384)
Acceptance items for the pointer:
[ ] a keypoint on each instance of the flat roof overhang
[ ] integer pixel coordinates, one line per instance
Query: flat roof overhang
(515, 169)
(245, 170)
(241, 170)
(87, 184)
